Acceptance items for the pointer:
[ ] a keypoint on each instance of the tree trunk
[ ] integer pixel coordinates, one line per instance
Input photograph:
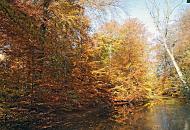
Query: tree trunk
(179, 72)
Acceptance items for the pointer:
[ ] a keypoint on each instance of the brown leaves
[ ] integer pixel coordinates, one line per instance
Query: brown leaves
(120, 49)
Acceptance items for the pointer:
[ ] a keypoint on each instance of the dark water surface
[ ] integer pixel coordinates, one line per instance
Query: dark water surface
(162, 114)
(165, 114)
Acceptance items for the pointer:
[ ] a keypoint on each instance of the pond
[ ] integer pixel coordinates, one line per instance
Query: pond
(160, 114)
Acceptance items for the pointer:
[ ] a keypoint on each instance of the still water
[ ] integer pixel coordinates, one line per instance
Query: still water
(160, 114)
(165, 114)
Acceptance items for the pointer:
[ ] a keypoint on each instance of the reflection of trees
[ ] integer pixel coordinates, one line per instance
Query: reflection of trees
(168, 116)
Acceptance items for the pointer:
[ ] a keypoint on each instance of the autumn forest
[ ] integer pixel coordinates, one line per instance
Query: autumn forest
(63, 66)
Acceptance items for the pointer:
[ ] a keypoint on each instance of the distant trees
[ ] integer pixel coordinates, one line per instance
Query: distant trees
(182, 47)
(123, 57)
(162, 19)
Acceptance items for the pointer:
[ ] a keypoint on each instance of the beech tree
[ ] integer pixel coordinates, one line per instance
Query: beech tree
(122, 53)
(47, 64)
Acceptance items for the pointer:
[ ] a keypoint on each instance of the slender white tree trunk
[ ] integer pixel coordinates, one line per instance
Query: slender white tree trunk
(162, 23)
(110, 56)
(179, 72)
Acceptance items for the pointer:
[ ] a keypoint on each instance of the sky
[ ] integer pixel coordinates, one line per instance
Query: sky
(135, 9)
(138, 9)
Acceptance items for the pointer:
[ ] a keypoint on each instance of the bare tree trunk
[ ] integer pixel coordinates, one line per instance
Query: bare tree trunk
(156, 12)
(110, 57)
(178, 70)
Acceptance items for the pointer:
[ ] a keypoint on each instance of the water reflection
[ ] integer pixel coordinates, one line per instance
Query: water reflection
(169, 114)
(165, 115)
